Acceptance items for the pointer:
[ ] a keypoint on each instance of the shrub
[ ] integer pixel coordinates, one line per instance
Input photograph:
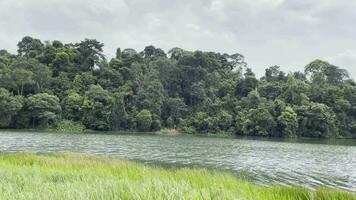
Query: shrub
(68, 126)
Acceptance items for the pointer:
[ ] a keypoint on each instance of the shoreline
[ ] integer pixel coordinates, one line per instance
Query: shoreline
(176, 133)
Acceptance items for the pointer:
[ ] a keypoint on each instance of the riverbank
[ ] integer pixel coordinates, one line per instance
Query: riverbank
(176, 132)
(74, 176)
(163, 132)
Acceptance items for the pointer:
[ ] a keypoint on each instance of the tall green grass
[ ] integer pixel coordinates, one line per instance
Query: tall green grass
(73, 176)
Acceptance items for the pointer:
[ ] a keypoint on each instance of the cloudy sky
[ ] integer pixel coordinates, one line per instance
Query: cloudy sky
(289, 33)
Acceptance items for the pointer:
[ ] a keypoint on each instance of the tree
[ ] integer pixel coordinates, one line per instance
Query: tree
(115, 63)
(321, 71)
(48, 54)
(254, 116)
(253, 100)
(109, 78)
(60, 63)
(151, 97)
(236, 61)
(144, 120)
(176, 53)
(317, 120)
(72, 106)
(97, 108)
(20, 78)
(271, 90)
(90, 54)
(119, 117)
(151, 52)
(43, 109)
(258, 122)
(223, 120)
(296, 91)
(246, 85)
(288, 122)
(201, 121)
(195, 91)
(83, 81)
(5, 77)
(6, 59)
(34, 75)
(174, 109)
(30, 47)
(60, 85)
(42, 76)
(274, 73)
(9, 107)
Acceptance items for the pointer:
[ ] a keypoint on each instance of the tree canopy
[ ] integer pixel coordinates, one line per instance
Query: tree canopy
(193, 91)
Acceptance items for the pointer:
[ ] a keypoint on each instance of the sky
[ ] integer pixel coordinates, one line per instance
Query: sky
(288, 33)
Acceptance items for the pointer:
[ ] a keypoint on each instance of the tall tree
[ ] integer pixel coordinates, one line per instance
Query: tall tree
(43, 109)
(9, 107)
(90, 54)
(97, 108)
(30, 47)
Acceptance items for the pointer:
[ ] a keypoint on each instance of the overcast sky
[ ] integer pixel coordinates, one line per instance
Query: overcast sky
(289, 33)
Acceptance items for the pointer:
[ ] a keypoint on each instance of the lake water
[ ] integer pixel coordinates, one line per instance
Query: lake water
(305, 163)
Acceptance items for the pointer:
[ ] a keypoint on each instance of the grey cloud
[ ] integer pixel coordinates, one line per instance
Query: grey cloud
(289, 33)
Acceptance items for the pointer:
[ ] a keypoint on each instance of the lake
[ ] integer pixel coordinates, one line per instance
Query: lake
(309, 163)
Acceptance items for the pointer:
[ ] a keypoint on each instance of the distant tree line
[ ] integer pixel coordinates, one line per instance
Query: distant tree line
(50, 83)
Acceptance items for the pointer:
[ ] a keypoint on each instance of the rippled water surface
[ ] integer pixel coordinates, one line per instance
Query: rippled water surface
(297, 163)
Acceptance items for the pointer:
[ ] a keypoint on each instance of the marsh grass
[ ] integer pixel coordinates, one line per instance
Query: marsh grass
(76, 176)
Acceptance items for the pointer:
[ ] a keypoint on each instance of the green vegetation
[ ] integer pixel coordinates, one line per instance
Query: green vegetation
(57, 85)
(73, 176)
(67, 126)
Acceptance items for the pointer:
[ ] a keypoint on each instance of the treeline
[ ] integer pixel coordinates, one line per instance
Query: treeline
(53, 84)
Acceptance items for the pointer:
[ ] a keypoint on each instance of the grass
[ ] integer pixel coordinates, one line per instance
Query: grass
(76, 176)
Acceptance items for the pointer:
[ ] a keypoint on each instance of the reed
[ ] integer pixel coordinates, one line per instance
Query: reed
(76, 176)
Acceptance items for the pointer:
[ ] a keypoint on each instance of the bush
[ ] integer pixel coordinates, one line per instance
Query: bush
(144, 120)
(68, 126)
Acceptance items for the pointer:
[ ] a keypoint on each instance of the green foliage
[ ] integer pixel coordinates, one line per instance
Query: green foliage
(296, 91)
(274, 74)
(144, 120)
(60, 62)
(90, 54)
(289, 122)
(97, 108)
(119, 117)
(29, 46)
(68, 126)
(73, 176)
(193, 91)
(82, 82)
(317, 120)
(19, 79)
(72, 106)
(321, 71)
(258, 121)
(42, 109)
(9, 107)
(223, 120)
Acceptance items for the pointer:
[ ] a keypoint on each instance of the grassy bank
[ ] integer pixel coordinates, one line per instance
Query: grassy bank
(73, 176)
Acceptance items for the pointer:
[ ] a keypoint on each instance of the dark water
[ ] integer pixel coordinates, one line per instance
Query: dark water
(308, 163)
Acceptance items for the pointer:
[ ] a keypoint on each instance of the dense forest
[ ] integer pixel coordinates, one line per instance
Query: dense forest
(51, 85)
